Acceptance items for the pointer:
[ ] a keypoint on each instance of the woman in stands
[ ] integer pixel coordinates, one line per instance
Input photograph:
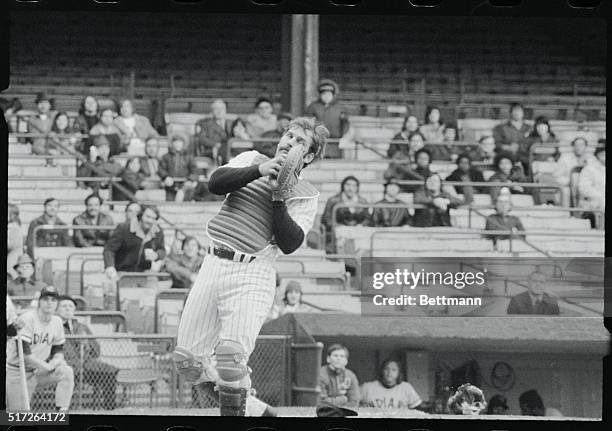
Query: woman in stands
(410, 126)
(437, 200)
(63, 135)
(131, 178)
(88, 114)
(134, 129)
(592, 184)
(292, 302)
(14, 239)
(433, 129)
(541, 135)
(183, 267)
(507, 171)
(389, 390)
(240, 139)
(105, 127)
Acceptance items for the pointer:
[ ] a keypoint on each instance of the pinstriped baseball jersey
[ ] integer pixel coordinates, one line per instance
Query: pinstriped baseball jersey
(40, 335)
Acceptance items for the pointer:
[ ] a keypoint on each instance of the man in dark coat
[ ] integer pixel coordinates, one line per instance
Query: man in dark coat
(178, 164)
(44, 237)
(535, 300)
(135, 245)
(502, 219)
(85, 362)
(465, 172)
(212, 133)
(386, 217)
(92, 216)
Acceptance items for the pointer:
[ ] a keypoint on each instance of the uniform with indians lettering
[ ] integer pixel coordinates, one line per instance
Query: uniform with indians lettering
(235, 287)
(43, 340)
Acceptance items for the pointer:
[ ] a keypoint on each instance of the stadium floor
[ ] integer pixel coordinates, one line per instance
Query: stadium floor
(310, 412)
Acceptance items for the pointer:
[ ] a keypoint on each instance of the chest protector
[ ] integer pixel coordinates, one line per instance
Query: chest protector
(245, 219)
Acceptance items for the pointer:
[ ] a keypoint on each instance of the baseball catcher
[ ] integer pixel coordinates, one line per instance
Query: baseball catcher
(267, 210)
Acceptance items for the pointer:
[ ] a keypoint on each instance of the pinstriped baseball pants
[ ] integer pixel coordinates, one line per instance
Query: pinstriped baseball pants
(229, 300)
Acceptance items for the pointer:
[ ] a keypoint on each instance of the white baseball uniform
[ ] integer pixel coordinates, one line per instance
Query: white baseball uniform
(230, 300)
(41, 336)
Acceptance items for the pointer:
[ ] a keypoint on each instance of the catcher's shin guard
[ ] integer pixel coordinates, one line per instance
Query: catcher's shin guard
(191, 368)
(232, 401)
(231, 364)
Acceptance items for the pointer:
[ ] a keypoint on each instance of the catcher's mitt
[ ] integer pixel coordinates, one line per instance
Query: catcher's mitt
(467, 400)
(288, 175)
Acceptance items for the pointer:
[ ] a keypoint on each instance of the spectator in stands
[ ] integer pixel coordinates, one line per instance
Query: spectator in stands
(502, 219)
(531, 404)
(508, 171)
(135, 245)
(41, 123)
(339, 385)
(512, 136)
(292, 302)
(14, 239)
(541, 135)
(437, 200)
(131, 211)
(348, 214)
(149, 165)
(486, 151)
(263, 119)
(497, 405)
(535, 300)
(405, 171)
(410, 126)
(63, 134)
(389, 390)
(240, 139)
(178, 170)
(269, 148)
(131, 178)
(450, 136)
(184, 267)
(592, 184)
(387, 217)
(92, 216)
(464, 173)
(571, 161)
(48, 237)
(24, 284)
(83, 355)
(212, 133)
(101, 164)
(105, 126)
(327, 110)
(88, 114)
(134, 129)
(10, 109)
(433, 131)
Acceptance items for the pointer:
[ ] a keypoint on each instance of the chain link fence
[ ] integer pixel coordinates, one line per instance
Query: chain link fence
(123, 371)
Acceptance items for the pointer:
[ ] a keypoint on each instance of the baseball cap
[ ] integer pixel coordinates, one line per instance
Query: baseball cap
(48, 291)
(328, 410)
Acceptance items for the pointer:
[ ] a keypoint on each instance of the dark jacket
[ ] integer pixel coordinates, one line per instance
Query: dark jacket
(178, 165)
(386, 217)
(125, 248)
(91, 350)
(211, 133)
(331, 115)
(498, 222)
(91, 238)
(181, 268)
(333, 381)
(148, 171)
(344, 216)
(131, 181)
(47, 238)
(406, 171)
(109, 168)
(432, 215)
(85, 122)
(506, 134)
(474, 174)
(523, 304)
(403, 149)
(23, 286)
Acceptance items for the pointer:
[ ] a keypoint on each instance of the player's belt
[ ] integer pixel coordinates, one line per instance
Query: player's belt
(226, 253)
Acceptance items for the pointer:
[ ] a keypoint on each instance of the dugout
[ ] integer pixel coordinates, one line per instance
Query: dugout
(560, 357)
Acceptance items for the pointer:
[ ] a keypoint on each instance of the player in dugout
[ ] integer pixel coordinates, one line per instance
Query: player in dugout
(268, 210)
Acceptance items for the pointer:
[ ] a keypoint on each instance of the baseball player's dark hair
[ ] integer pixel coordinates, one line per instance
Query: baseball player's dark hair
(49, 200)
(346, 180)
(335, 347)
(143, 208)
(263, 99)
(320, 133)
(400, 375)
(94, 195)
